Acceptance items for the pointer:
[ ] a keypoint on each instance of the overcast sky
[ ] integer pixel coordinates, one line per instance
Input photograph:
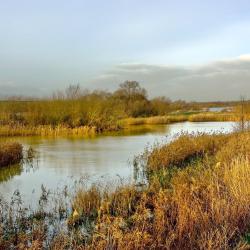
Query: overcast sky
(193, 50)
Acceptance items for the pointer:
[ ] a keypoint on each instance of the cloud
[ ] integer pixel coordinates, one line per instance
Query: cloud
(9, 88)
(226, 79)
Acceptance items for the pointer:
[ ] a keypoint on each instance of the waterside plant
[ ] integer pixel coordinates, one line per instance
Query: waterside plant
(195, 196)
(10, 153)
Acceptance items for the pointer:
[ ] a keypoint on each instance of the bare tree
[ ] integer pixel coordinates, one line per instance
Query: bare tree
(73, 92)
(58, 95)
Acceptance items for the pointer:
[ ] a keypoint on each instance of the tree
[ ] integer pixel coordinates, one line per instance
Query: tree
(133, 98)
(72, 92)
(131, 90)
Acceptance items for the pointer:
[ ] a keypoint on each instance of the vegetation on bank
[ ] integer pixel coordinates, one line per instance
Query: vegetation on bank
(10, 153)
(46, 130)
(65, 130)
(174, 118)
(195, 196)
(76, 111)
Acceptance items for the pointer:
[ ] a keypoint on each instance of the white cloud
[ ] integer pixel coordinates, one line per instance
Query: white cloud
(219, 80)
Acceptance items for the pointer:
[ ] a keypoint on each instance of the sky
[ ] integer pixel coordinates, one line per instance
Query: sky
(191, 50)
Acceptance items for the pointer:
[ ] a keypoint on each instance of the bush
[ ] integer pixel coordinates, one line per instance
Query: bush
(10, 153)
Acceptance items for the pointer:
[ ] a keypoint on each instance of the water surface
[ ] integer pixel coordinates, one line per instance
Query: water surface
(61, 160)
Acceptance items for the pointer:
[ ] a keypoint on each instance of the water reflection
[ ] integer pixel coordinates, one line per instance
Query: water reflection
(27, 165)
(62, 159)
(140, 130)
(7, 173)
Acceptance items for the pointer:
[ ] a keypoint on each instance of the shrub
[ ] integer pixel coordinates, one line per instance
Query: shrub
(10, 153)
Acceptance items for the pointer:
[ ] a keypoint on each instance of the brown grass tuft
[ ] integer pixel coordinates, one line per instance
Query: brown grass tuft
(10, 153)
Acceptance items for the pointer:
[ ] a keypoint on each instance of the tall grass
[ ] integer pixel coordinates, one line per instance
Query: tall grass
(197, 197)
(183, 150)
(167, 119)
(206, 204)
(64, 129)
(46, 130)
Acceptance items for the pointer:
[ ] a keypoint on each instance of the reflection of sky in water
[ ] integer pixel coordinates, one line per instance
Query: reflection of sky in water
(62, 158)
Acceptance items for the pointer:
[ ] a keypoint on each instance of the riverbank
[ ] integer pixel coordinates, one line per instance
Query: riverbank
(195, 196)
(182, 117)
(46, 130)
(63, 130)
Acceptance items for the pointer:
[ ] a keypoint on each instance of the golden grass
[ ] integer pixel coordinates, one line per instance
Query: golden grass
(46, 130)
(168, 119)
(10, 153)
(184, 149)
(86, 203)
(198, 198)
(64, 130)
(205, 206)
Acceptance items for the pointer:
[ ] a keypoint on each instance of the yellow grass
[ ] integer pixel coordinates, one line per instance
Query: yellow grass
(206, 205)
(45, 130)
(199, 117)
(197, 197)
(206, 208)
(57, 130)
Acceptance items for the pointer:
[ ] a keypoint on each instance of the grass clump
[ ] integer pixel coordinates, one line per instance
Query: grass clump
(10, 153)
(183, 150)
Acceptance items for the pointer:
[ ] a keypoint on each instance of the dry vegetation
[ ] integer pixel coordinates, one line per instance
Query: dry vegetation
(46, 130)
(10, 153)
(81, 112)
(194, 194)
(180, 117)
(197, 197)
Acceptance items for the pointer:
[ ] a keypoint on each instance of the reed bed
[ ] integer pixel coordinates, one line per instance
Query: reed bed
(64, 130)
(205, 208)
(46, 130)
(168, 119)
(197, 199)
(197, 196)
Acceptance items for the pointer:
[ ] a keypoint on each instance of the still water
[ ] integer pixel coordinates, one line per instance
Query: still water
(61, 160)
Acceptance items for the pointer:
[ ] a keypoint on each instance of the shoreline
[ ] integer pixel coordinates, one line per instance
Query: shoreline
(122, 125)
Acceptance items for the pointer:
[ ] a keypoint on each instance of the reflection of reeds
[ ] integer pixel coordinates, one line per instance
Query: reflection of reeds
(10, 153)
(7, 173)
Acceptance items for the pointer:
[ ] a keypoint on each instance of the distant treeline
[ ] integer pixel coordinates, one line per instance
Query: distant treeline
(75, 107)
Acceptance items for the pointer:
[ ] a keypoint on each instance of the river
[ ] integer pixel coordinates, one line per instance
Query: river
(61, 160)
